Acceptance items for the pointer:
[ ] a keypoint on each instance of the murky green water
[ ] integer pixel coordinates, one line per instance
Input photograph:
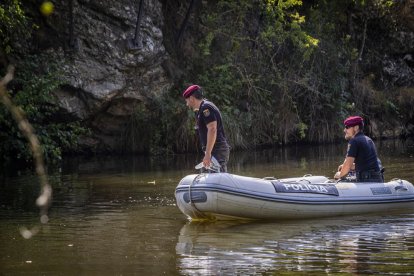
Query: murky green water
(117, 216)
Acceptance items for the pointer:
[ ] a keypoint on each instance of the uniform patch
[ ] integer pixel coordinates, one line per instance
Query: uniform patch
(206, 112)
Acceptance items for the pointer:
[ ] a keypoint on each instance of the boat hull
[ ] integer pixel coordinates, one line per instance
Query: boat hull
(225, 196)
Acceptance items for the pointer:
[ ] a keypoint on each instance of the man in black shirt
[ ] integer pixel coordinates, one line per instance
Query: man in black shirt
(361, 153)
(209, 126)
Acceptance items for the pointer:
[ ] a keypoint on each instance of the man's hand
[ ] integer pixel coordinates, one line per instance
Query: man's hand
(207, 160)
(345, 167)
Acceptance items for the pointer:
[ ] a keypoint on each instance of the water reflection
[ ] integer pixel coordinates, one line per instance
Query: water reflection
(330, 246)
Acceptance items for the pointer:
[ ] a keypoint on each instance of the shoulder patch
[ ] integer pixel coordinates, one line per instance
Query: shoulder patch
(206, 112)
(349, 147)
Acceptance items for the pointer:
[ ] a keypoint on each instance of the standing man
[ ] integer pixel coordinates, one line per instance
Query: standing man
(361, 153)
(209, 126)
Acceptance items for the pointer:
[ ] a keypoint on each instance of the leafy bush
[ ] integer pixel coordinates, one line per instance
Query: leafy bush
(32, 90)
(287, 71)
(14, 26)
(254, 73)
(160, 126)
(36, 77)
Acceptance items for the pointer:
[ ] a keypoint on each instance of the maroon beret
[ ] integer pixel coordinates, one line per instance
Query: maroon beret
(353, 121)
(190, 90)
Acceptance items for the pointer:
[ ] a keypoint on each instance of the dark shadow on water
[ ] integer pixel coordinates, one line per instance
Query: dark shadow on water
(329, 155)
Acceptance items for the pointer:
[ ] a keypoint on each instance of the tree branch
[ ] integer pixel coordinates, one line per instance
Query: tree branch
(44, 199)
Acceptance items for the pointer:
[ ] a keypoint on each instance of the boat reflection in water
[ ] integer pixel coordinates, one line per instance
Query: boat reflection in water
(349, 245)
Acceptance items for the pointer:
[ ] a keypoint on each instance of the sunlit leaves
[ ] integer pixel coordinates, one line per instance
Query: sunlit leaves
(284, 24)
(13, 25)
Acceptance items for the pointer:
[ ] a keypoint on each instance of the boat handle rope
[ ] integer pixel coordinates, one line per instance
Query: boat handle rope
(401, 186)
(196, 212)
(397, 180)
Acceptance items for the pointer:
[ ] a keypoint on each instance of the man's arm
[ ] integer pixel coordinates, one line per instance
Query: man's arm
(211, 140)
(345, 167)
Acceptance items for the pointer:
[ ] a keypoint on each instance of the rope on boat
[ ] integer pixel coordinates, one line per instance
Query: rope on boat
(195, 211)
(401, 184)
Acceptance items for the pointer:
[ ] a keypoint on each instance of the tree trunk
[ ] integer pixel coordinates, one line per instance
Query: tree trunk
(354, 67)
(185, 22)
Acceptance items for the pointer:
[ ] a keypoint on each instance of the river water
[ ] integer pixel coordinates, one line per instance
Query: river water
(117, 216)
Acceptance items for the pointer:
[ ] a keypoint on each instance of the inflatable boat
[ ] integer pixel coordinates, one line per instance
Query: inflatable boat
(224, 196)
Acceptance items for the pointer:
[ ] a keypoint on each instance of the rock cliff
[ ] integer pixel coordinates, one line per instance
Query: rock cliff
(113, 54)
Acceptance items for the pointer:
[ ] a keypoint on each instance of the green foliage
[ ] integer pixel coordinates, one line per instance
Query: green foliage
(405, 102)
(14, 25)
(161, 126)
(278, 70)
(283, 23)
(36, 77)
(294, 63)
(250, 70)
(32, 91)
(226, 87)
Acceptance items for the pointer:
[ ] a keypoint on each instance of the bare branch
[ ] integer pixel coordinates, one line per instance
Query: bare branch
(44, 199)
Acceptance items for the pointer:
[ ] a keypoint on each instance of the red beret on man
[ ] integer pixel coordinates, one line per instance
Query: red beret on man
(190, 90)
(353, 121)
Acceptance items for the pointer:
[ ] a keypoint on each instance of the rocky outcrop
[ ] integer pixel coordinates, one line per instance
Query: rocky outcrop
(397, 65)
(407, 13)
(110, 66)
